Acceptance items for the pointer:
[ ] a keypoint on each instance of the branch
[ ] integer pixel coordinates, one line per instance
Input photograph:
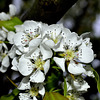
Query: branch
(48, 11)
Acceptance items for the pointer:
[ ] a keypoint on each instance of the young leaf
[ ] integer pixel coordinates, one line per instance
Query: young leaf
(65, 88)
(54, 96)
(9, 24)
(97, 78)
(10, 96)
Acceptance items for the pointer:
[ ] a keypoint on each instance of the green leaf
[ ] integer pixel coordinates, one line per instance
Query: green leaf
(10, 96)
(97, 78)
(9, 24)
(65, 88)
(56, 68)
(52, 82)
(54, 96)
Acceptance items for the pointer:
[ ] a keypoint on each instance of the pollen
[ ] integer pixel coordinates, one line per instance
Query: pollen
(33, 91)
(69, 55)
(1, 42)
(39, 64)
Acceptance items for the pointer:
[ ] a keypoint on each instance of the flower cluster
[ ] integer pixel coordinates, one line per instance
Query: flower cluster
(34, 45)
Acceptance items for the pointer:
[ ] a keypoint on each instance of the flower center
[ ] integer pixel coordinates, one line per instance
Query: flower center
(55, 38)
(39, 63)
(70, 97)
(3, 55)
(30, 36)
(33, 91)
(69, 54)
(1, 42)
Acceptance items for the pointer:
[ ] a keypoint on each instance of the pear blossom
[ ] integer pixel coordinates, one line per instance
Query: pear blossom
(12, 12)
(33, 65)
(75, 87)
(75, 51)
(32, 90)
(53, 35)
(29, 36)
(30, 31)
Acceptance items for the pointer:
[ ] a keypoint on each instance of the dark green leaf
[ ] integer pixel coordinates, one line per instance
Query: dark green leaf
(10, 96)
(56, 68)
(54, 96)
(52, 82)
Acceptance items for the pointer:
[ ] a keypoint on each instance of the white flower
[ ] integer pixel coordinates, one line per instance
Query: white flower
(12, 12)
(52, 35)
(76, 86)
(74, 50)
(30, 30)
(33, 65)
(80, 85)
(32, 90)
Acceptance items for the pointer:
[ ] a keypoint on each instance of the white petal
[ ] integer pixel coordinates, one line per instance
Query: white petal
(34, 98)
(72, 40)
(4, 16)
(25, 66)
(24, 96)
(50, 43)
(76, 68)
(34, 43)
(34, 53)
(5, 46)
(69, 87)
(81, 86)
(5, 61)
(84, 86)
(19, 28)
(60, 62)
(32, 26)
(37, 77)
(46, 66)
(3, 69)
(24, 84)
(12, 10)
(19, 39)
(5, 29)
(41, 90)
(54, 30)
(10, 37)
(46, 51)
(65, 32)
(12, 51)
(59, 47)
(18, 52)
(15, 64)
(3, 34)
(86, 55)
(89, 71)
